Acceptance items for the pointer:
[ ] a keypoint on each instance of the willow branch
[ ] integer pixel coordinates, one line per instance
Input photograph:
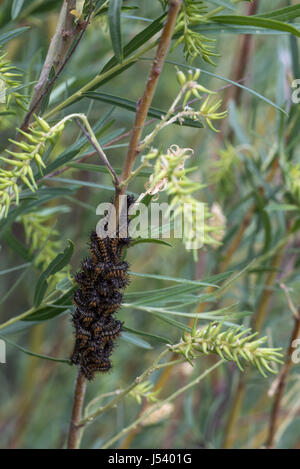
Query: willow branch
(154, 367)
(157, 406)
(75, 430)
(93, 141)
(142, 111)
(58, 55)
(281, 383)
(62, 38)
(145, 102)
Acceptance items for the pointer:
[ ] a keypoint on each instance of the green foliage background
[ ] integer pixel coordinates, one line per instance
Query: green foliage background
(36, 394)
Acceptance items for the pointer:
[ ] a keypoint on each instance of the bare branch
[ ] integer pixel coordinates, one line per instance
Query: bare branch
(145, 102)
(57, 56)
(62, 38)
(75, 429)
(282, 378)
(143, 107)
(100, 152)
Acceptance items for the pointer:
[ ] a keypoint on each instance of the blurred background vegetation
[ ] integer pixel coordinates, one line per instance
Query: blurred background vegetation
(255, 140)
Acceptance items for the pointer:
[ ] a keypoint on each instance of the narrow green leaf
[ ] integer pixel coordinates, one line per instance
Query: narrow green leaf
(131, 106)
(30, 203)
(7, 113)
(140, 39)
(40, 6)
(175, 295)
(58, 263)
(229, 310)
(114, 16)
(132, 339)
(13, 269)
(64, 285)
(223, 3)
(277, 207)
(99, 5)
(80, 183)
(16, 8)
(12, 90)
(38, 355)
(4, 38)
(99, 128)
(150, 240)
(282, 14)
(257, 21)
(172, 322)
(50, 311)
(174, 279)
(218, 277)
(159, 338)
(227, 80)
(61, 160)
(231, 281)
(14, 286)
(103, 169)
(235, 123)
(264, 269)
(135, 43)
(268, 229)
(91, 167)
(16, 245)
(236, 29)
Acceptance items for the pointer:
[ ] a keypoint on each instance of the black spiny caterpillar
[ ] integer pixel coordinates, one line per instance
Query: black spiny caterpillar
(97, 299)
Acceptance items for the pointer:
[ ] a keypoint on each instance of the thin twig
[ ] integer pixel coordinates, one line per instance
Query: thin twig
(96, 81)
(34, 354)
(100, 152)
(281, 381)
(117, 139)
(75, 430)
(65, 23)
(44, 88)
(157, 406)
(154, 367)
(163, 46)
(145, 102)
(93, 153)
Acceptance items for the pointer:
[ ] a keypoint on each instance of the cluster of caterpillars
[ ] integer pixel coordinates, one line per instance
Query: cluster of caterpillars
(102, 278)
